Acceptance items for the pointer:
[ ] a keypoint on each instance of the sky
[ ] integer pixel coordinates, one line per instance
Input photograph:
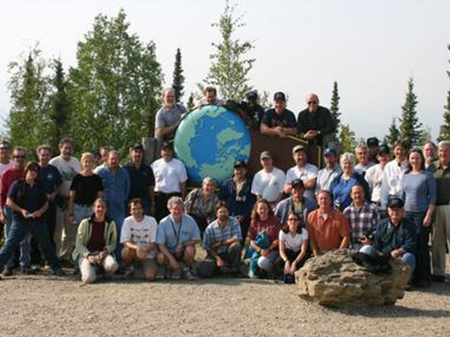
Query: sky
(370, 47)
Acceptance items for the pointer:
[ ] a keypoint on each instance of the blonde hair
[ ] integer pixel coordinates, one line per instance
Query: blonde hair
(87, 155)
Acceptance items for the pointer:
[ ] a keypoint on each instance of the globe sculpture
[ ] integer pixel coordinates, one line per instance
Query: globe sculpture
(209, 140)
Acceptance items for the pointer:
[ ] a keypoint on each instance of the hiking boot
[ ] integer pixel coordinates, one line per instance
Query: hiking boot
(7, 271)
(129, 272)
(188, 275)
(25, 270)
(168, 273)
(438, 278)
(59, 272)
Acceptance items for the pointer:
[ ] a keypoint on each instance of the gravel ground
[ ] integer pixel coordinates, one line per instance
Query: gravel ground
(45, 305)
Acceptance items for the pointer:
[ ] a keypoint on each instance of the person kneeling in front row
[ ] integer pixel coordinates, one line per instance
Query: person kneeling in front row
(222, 241)
(176, 238)
(395, 235)
(138, 238)
(95, 244)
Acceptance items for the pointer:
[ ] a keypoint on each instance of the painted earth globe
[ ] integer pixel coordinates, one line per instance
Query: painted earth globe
(209, 141)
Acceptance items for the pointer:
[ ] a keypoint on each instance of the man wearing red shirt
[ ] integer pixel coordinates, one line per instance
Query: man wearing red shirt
(9, 176)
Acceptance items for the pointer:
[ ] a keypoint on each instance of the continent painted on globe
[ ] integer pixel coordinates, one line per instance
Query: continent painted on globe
(209, 141)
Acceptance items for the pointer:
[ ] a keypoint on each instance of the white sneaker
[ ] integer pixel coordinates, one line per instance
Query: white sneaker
(188, 275)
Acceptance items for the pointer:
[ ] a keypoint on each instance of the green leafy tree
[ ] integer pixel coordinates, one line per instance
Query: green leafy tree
(29, 121)
(444, 133)
(409, 122)
(347, 138)
(230, 68)
(393, 135)
(60, 105)
(115, 86)
(178, 78)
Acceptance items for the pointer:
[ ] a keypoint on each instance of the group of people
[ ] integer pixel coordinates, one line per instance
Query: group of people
(100, 216)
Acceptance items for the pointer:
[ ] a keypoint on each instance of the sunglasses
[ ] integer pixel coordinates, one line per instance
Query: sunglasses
(19, 157)
(312, 103)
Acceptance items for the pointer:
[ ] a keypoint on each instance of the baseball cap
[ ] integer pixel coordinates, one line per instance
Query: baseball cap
(167, 145)
(372, 141)
(384, 149)
(395, 202)
(137, 146)
(297, 183)
(251, 96)
(298, 148)
(279, 96)
(240, 163)
(329, 151)
(265, 155)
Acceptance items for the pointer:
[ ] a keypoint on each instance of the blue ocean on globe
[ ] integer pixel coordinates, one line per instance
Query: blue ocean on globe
(209, 141)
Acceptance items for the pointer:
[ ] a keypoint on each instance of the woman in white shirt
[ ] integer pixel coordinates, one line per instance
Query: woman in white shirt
(293, 246)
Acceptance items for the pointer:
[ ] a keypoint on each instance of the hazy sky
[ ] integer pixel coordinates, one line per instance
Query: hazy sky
(370, 47)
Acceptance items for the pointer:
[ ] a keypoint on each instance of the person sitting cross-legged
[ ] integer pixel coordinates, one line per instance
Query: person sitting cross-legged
(138, 238)
(222, 241)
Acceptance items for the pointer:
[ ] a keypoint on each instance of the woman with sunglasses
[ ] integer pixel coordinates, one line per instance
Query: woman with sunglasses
(28, 201)
(293, 246)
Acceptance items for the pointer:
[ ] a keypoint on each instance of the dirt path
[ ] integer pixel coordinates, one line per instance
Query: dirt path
(48, 306)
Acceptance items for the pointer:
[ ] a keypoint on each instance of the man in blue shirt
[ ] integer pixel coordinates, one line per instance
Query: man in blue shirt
(116, 184)
(176, 238)
(222, 241)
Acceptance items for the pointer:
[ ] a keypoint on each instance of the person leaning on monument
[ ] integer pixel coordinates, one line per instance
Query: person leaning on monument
(315, 123)
(168, 116)
(209, 98)
(222, 242)
(328, 229)
(395, 235)
(176, 238)
(279, 121)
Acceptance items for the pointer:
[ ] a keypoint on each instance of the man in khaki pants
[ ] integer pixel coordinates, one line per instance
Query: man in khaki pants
(441, 225)
(65, 231)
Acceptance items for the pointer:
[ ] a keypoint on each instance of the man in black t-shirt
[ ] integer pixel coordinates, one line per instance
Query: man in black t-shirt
(279, 121)
(315, 122)
(142, 179)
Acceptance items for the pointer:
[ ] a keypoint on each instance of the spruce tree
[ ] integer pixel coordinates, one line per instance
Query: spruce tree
(60, 105)
(334, 106)
(190, 103)
(409, 122)
(178, 78)
(393, 135)
(230, 68)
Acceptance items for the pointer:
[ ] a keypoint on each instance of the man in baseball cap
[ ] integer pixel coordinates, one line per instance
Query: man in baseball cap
(279, 121)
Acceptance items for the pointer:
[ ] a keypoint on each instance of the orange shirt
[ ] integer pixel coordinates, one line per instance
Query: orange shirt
(327, 234)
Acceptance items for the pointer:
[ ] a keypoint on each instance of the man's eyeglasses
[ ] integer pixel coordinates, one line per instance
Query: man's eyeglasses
(4, 148)
(18, 157)
(312, 103)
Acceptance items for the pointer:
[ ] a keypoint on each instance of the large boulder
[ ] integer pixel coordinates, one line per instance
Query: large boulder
(333, 279)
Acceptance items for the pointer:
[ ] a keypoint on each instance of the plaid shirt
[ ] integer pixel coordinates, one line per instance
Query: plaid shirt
(361, 220)
(214, 233)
